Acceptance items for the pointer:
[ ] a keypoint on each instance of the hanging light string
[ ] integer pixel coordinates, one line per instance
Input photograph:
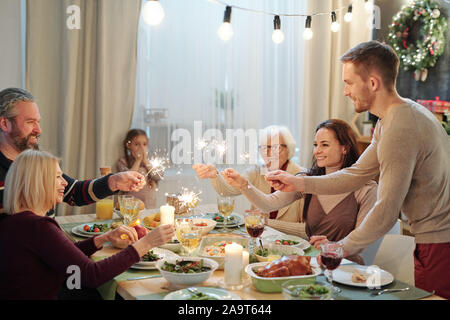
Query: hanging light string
(153, 14)
(280, 14)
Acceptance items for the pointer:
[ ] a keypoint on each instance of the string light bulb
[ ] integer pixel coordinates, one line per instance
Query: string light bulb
(308, 33)
(369, 6)
(277, 35)
(225, 31)
(335, 26)
(153, 12)
(348, 15)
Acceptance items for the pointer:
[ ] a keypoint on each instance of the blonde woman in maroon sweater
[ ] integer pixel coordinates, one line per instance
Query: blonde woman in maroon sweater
(34, 251)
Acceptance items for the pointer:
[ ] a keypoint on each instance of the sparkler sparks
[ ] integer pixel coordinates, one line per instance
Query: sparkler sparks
(245, 156)
(221, 148)
(212, 146)
(188, 198)
(158, 166)
(201, 144)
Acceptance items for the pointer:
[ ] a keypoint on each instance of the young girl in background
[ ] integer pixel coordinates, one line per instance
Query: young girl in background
(135, 146)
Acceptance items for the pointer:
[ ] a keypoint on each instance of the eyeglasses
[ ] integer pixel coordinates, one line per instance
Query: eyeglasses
(274, 147)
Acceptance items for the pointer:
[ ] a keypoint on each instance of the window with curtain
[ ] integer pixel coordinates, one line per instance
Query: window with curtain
(186, 73)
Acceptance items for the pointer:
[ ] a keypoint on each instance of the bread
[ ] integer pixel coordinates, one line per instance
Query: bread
(358, 277)
(152, 220)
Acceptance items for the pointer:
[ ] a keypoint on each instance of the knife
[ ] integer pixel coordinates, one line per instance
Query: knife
(145, 277)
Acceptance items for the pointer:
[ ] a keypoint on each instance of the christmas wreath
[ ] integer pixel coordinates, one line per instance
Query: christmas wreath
(417, 34)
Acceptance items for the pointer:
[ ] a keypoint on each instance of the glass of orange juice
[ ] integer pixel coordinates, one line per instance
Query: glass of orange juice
(104, 208)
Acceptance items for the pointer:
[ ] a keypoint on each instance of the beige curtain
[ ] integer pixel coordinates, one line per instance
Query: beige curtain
(323, 86)
(83, 80)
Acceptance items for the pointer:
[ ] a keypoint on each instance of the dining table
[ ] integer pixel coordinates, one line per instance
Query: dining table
(149, 285)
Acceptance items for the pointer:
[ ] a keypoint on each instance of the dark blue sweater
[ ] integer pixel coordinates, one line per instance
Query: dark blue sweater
(77, 193)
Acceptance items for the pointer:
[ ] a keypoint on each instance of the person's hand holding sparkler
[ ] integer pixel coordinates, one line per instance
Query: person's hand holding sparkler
(205, 171)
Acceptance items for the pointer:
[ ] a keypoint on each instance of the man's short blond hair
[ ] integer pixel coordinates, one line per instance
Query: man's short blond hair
(374, 55)
(31, 182)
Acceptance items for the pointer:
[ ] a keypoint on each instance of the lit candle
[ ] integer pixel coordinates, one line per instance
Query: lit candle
(167, 214)
(233, 264)
(245, 262)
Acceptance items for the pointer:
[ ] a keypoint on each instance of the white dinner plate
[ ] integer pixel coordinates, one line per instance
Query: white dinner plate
(90, 224)
(302, 243)
(374, 275)
(238, 221)
(76, 232)
(215, 293)
(150, 265)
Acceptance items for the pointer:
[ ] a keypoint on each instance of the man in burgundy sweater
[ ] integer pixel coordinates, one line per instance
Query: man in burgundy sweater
(20, 130)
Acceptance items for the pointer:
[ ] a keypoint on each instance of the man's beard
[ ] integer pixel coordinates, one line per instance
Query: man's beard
(23, 143)
(362, 105)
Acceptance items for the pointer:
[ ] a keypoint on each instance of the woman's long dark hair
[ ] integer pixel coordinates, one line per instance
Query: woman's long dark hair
(346, 137)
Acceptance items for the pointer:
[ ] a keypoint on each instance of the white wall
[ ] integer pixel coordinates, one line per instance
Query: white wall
(10, 44)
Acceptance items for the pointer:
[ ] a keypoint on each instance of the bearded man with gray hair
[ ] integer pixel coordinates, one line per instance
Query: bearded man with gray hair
(20, 130)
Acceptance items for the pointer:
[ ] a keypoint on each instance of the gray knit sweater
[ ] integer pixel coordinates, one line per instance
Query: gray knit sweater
(411, 151)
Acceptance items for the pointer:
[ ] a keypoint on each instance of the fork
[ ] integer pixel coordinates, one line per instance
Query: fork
(145, 277)
(193, 290)
(389, 290)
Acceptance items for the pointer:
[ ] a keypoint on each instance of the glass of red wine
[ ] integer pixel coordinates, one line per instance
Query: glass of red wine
(331, 254)
(254, 224)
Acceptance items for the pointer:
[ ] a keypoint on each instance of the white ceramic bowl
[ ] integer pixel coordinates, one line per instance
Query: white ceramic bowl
(263, 284)
(302, 243)
(214, 238)
(210, 225)
(174, 247)
(280, 250)
(187, 279)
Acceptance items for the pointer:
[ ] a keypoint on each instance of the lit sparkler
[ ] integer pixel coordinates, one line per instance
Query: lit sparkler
(221, 148)
(201, 144)
(158, 166)
(245, 156)
(188, 198)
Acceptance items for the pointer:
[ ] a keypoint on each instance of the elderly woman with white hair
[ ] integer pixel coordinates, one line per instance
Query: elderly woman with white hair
(277, 147)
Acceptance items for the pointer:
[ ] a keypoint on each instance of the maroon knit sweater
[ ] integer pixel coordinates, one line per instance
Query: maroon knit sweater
(35, 255)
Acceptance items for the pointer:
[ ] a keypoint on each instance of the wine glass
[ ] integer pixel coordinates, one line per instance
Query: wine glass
(188, 235)
(182, 223)
(129, 209)
(254, 224)
(225, 205)
(331, 254)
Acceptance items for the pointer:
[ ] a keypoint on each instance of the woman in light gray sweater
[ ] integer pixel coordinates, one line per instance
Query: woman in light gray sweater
(277, 148)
